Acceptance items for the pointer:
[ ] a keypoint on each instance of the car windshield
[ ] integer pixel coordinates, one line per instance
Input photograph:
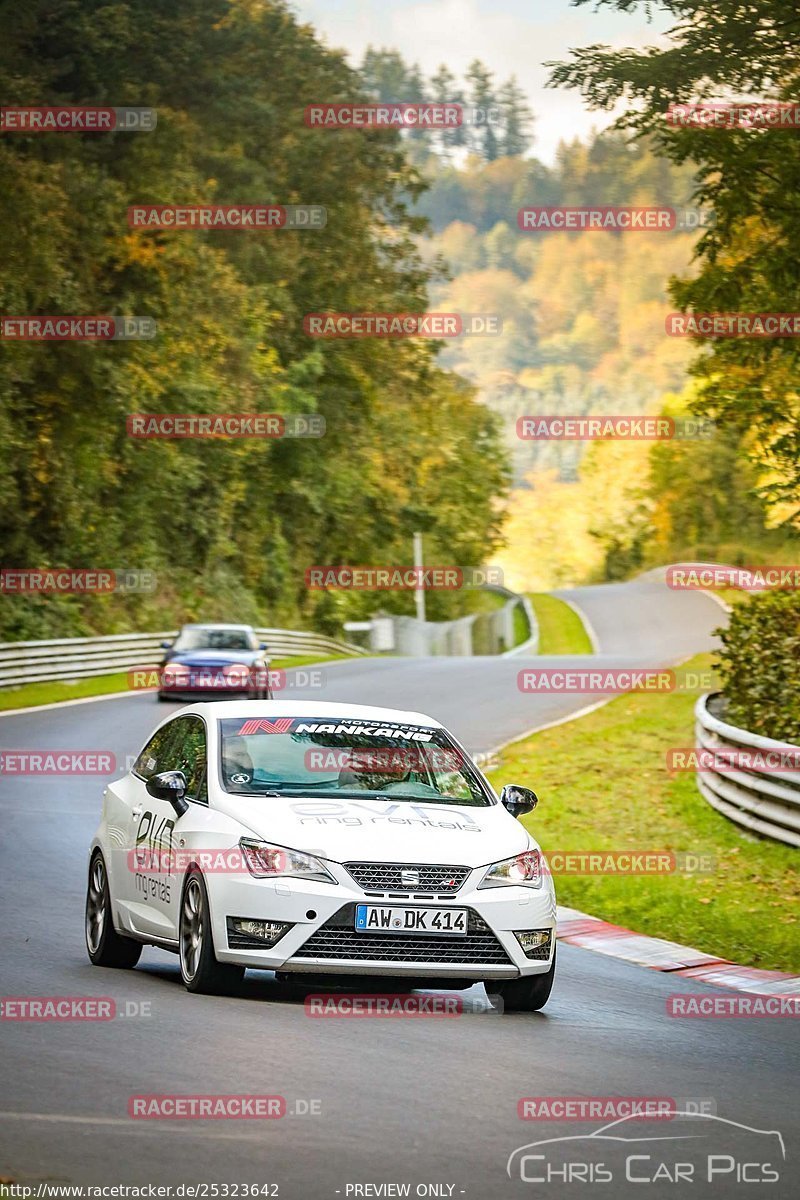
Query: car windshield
(346, 759)
(204, 638)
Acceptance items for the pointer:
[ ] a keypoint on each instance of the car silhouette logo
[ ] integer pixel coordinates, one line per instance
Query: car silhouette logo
(615, 1132)
(409, 878)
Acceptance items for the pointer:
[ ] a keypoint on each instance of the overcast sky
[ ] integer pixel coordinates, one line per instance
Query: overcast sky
(510, 36)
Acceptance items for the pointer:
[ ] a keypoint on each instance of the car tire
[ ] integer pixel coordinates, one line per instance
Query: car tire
(264, 693)
(528, 994)
(200, 971)
(105, 947)
(162, 698)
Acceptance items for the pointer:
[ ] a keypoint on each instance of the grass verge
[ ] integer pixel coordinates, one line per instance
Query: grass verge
(604, 785)
(561, 631)
(31, 694)
(521, 629)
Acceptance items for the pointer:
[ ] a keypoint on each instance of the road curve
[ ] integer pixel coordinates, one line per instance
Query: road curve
(645, 616)
(417, 1102)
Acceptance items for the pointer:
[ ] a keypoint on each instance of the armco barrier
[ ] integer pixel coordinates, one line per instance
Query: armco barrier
(480, 633)
(766, 803)
(79, 658)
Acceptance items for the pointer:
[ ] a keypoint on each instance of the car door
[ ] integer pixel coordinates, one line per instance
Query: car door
(153, 879)
(124, 802)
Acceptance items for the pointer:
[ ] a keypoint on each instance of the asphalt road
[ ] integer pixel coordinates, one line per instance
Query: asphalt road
(428, 1103)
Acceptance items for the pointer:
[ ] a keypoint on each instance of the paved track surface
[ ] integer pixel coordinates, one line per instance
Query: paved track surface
(428, 1103)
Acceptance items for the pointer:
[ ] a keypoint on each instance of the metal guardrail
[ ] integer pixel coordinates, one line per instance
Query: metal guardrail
(755, 800)
(80, 658)
(531, 644)
(479, 633)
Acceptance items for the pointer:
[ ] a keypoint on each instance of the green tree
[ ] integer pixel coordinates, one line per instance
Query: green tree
(517, 117)
(749, 261)
(443, 90)
(228, 527)
(482, 96)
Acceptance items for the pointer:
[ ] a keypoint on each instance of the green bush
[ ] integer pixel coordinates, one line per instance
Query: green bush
(760, 665)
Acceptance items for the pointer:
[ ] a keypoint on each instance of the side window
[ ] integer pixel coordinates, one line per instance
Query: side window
(156, 755)
(188, 754)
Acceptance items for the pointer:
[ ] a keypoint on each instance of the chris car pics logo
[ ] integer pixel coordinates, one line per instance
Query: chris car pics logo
(700, 1148)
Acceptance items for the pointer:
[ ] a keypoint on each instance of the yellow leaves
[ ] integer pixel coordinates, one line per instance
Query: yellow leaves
(140, 251)
(547, 535)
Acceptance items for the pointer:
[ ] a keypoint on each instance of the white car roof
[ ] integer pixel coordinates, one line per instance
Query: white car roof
(217, 709)
(214, 625)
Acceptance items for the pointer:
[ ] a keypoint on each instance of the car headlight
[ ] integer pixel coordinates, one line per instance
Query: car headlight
(525, 868)
(236, 673)
(176, 673)
(269, 862)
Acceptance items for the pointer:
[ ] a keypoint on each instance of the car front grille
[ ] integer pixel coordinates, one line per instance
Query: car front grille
(399, 878)
(338, 939)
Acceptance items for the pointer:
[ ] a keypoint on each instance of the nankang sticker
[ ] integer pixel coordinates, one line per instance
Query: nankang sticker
(408, 733)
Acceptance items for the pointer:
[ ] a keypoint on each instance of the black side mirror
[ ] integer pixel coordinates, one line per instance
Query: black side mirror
(169, 786)
(166, 645)
(518, 800)
(263, 646)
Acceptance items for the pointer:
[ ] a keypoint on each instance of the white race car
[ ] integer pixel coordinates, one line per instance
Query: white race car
(320, 839)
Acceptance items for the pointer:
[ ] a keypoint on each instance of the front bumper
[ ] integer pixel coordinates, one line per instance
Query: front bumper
(205, 692)
(211, 683)
(323, 940)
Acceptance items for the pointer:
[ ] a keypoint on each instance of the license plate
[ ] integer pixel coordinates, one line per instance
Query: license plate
(379, 918)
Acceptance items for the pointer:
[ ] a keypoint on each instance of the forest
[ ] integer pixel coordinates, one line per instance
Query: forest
(419, 434)
(227, 526)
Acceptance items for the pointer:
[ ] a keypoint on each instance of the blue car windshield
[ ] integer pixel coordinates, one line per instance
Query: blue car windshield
(215, 639)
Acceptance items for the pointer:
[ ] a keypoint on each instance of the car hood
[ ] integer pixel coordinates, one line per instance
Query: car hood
(380, 830)
(213, 658)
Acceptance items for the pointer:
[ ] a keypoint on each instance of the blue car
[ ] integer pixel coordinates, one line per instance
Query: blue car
(215, 661)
